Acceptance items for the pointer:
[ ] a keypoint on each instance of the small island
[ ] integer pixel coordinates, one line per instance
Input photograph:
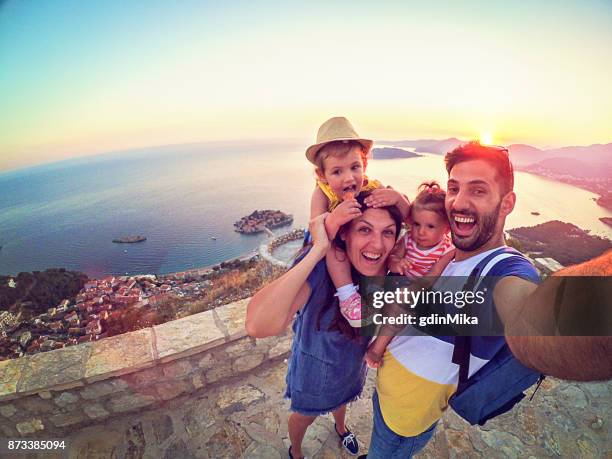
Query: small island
(262, 220)
(129, 239)
(605, 200)
(606, 220)
(392, 153)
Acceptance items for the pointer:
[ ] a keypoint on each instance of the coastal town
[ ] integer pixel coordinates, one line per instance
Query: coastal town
(599, 185)
(117, 304)
(260, 220)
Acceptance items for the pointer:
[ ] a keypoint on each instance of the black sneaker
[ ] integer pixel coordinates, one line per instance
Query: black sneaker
(291, 455)
(349, 441)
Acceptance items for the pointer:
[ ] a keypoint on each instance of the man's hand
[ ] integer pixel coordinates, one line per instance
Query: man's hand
(383, 197)
(373, 357)
(345, 212)
(534, 317)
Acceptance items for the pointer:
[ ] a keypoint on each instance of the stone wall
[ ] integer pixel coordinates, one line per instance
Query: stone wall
(266, 249)
(49, 393)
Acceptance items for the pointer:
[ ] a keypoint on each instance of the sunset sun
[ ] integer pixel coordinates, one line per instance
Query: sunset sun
(486, 138)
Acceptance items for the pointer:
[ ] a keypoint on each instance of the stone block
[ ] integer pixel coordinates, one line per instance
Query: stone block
(10, 372)
(8, 410)
(130, 402)
(54, 368)
(177, 369)
(119, 355)
(45, 395)
(262, 451)
(95, 411)
(263, 344)
(162, 428)
(30, 427)
(199, 417)
(65, 399)
(247, 362)
(8, 431)
(198, 381)
(234, 398)
(103, 388)
(240, 347)
(232, 317)
(170, 389)
(35, 405)
(218, 373)
(67, 419)
(206, 361)
(187, 336)
(282, 347)
(143, 378)
(68, 386)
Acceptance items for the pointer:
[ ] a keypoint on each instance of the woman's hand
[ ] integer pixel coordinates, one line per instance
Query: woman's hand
(317, 229)
(383, 197)
(399, 265)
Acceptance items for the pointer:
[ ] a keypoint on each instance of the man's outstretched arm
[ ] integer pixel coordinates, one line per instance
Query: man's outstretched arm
(536, 317)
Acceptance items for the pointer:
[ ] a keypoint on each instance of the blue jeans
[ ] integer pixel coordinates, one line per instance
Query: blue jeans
(386, 444)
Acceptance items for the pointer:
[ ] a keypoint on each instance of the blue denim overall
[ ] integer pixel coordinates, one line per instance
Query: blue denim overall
(326, 368)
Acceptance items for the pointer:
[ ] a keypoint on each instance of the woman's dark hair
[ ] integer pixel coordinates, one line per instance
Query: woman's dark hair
(339, 322)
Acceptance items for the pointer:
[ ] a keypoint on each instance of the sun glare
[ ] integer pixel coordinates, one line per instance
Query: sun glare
(486, 138)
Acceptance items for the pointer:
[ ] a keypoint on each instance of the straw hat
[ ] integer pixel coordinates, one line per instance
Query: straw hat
(337, 128)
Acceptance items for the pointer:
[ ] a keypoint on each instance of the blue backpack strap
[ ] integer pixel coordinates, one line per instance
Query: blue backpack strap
(462, 348)
(500, 384)
(482, 264)
(461, 357)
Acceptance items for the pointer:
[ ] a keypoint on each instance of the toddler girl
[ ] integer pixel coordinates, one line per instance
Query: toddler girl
(424, 250)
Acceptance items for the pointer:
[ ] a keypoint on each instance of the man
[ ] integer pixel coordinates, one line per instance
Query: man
(480, 187)
(417, 376)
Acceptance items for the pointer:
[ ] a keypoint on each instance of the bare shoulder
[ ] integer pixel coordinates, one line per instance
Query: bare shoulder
(318, 203)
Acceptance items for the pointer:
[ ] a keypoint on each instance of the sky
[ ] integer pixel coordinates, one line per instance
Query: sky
(79, 78)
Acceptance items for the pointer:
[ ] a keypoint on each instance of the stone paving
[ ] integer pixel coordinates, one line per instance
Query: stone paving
(247, 418)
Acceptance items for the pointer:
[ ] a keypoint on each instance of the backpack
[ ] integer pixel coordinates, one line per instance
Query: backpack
(499, 384)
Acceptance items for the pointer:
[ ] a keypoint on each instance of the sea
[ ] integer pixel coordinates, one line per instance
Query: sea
(186, 198)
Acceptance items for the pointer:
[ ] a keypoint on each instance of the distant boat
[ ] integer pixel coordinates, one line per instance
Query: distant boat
(129, 239)
(213, 238)
(535, 213)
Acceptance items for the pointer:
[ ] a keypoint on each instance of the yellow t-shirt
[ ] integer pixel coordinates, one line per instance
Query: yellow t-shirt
(413, 388)
(334, 200)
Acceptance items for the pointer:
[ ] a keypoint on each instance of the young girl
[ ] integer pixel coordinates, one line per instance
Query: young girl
(424, 250)
(340, 157)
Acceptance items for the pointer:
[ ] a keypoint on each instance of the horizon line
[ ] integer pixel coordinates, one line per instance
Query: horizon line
(94, 155)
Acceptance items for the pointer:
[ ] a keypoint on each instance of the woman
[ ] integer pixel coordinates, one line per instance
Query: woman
(326, 369)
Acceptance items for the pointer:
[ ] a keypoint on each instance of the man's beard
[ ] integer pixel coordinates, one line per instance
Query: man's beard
(484, 231)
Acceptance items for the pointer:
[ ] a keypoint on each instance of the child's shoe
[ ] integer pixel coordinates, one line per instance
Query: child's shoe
(351, 310)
